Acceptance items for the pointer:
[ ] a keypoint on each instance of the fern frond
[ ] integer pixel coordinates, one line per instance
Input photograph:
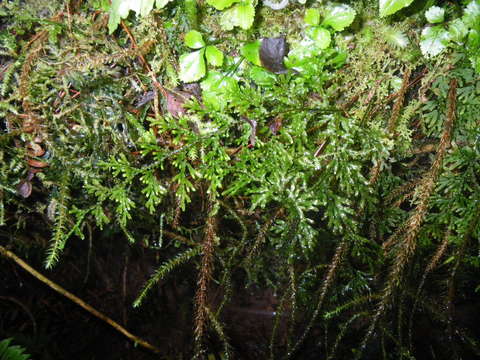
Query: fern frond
(431, 265)
(332, 270)
(262, 234)
(164, 270)
(8, 76)
(60, 231)
(227, 265)
(350, 304)
(293, 303)
(392, 124)
(342, 333)
(12, 352)
(2, 210)
(276, 323)
(217, 326)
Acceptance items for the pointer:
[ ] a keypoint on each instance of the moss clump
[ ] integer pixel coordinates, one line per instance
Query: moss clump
(338, 184)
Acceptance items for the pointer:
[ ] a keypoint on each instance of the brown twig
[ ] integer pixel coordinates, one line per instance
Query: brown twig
(143, 60)
(76, 300)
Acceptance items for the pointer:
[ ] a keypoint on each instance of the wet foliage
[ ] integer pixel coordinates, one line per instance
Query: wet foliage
(241, 180)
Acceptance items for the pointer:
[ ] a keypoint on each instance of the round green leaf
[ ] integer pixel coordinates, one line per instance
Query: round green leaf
(457, 30)
(213, 55)
(389, 7)
(434, 40)
(221, 4)
(339, 17)
(321, 37)
(312, 17)
(301, 50)
(146, 6)
(240, 15)
(471, 16)
(160, 4)
(251, 52)
(261, 76)
(194, 40)
(435, 15)
(216, 89)
(192, 66)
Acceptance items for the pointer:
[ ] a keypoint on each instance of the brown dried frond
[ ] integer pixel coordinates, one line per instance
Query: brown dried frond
(402, 189)
(177, 213)
(262, 233)
(85, 61)
(32, 48)
(438, 254)
(396, 94)
(427, 187)
(403, 198)
(24, 81)
(206, 268)
(392, 124)
(414, 223)
(393, 239)
(375, 173)
(31, 122)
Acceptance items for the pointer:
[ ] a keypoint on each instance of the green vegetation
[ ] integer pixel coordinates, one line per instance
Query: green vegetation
(326, 151)
(11, 352)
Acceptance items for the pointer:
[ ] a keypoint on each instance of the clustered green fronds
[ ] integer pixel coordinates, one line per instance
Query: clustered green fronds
(315, 181)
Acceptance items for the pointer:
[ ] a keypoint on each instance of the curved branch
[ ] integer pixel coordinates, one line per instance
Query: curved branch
(76, 300)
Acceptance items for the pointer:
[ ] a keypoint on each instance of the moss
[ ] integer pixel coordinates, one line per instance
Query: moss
(305, 182)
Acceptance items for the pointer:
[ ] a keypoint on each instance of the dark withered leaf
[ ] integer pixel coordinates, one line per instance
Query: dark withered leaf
(24, 188)
(276, 125)
(193, 89)
(272, 52)
(145, 98)
(175, 102)
(253, 133)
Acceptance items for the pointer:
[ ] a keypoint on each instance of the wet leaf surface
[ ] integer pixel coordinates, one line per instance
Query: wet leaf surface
(37, 163)
(272, 53)
(24, 188)
(175, 102)
(145, 98)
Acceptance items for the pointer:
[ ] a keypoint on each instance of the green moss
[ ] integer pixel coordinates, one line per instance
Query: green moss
(285, 163)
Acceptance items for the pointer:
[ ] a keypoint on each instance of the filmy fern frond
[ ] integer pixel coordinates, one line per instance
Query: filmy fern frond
(164, 270)
(60, 230)
(8, 76)
(217, 326)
